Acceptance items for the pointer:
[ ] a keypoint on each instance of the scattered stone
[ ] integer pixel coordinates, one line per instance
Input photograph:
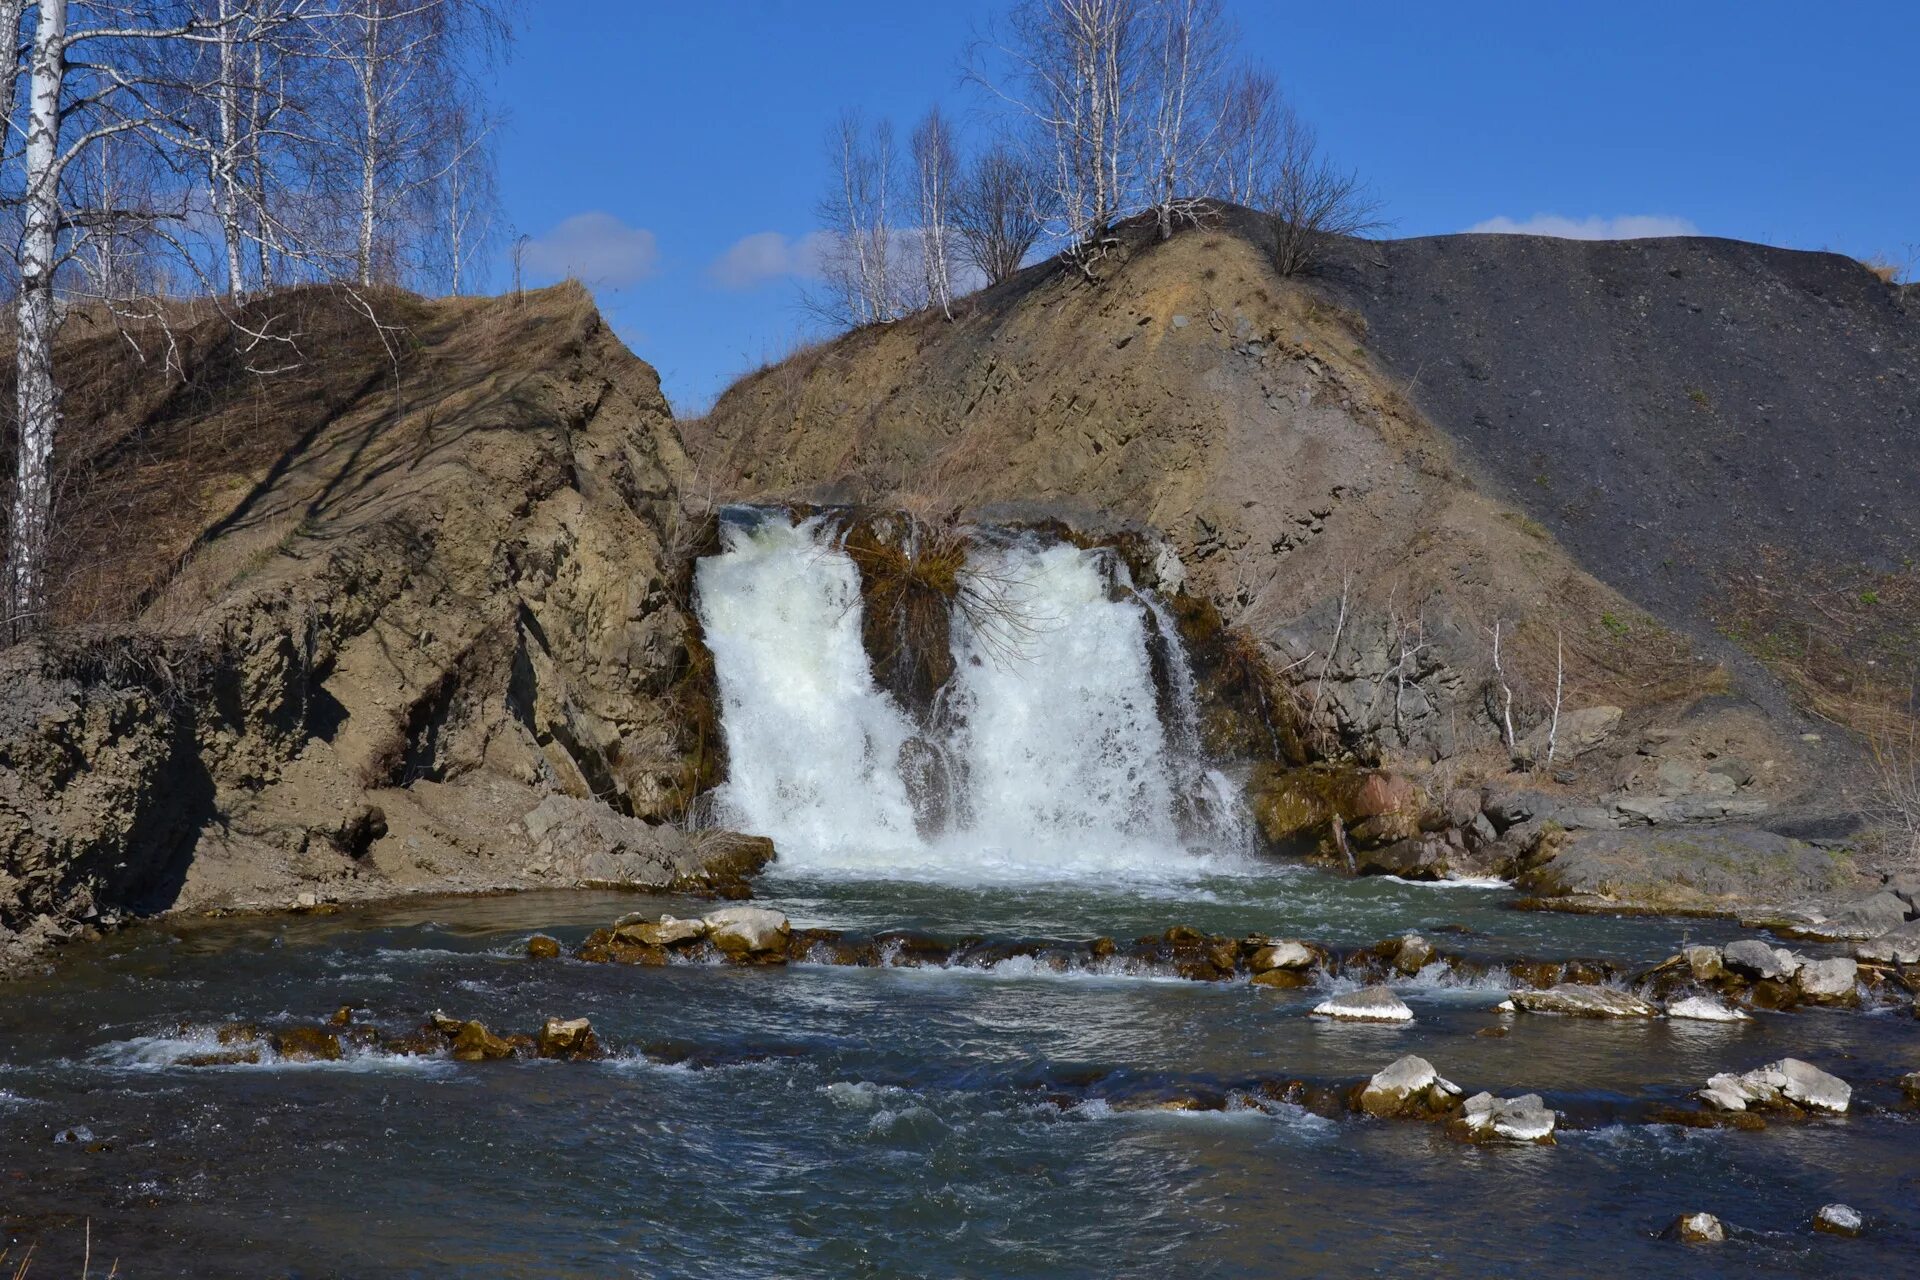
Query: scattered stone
(474, 1043)
(1839, 1220)
(1578, 732)
(1413, 954)
(569, 1038)
(1523, 1119)
(1705, 963)
(1828, 981)
(1706, 1009)
(445, 1024)
(1786, 1083)
(1896, 946)
(1697, 1228)
(1281, 955)
(1871, 916)
(1368, 1004)
(1580, 1000)
(1754, 957)
(1910, 1085)
(667, 931)
(749, 933)
(541, 947)
(1408, 1085)
(307, 1044)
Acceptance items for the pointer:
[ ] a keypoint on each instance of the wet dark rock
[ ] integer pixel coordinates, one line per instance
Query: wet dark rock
(541, 947)
(421, 1042)
(571, 1039)
(1283, 955)
(342, 1017)
(1412, 954)
(474, 1043)
(307, 1044)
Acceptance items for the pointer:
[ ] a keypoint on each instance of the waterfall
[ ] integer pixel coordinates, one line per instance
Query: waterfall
(1048, 743)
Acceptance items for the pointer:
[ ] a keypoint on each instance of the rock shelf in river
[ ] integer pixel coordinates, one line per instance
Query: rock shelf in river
(1699, 982)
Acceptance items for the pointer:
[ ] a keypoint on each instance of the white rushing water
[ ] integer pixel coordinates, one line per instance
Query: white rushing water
(1056, 763)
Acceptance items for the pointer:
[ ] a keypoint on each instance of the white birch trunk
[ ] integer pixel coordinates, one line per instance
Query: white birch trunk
(369, 140)
(38, 403)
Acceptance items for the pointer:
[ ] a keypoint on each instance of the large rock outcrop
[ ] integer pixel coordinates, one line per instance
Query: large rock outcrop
(370, 644)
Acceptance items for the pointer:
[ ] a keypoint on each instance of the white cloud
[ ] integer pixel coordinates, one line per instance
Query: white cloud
(768, 255)
(597, 248)
(1628, 226)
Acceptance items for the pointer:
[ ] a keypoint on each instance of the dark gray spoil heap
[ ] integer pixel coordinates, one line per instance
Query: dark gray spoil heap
(1664, 407)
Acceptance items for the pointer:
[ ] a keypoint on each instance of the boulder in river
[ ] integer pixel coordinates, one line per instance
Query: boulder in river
(1407, 1086)
(1368, 1004)
(1839, 1220)
(1788, 1084)
(1583, 1000)
(1413, 954)
(667, 931)
(541, 947)
(474, 1043)
(307, 1044)
(1757, 959)
(1523, 1119)
(1282, 955)
(569, 1038)
(1828, 981)
(1697, 1228)
(1706, 1009)
(753, 934)
(1704, 963)
(1899, 945)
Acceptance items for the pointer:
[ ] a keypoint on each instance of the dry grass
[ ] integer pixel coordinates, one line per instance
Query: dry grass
(1886, 269)
(911, 579)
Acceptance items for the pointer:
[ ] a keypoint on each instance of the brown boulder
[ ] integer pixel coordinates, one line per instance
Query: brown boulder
(569, 1038)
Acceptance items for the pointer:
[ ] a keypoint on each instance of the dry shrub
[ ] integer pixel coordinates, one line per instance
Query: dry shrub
(1896, 799)
(911, 579)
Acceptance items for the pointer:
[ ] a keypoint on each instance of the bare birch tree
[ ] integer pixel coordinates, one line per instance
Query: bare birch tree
(1074, 71)
(1249, 135)
(1189, 43)
(996, 212)
(860, 268)
(934, 162)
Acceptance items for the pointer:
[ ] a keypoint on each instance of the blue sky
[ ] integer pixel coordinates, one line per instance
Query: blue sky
(646, 142)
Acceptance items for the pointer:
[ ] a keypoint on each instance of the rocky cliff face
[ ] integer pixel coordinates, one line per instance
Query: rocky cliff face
(1370, 553)
(389, 640)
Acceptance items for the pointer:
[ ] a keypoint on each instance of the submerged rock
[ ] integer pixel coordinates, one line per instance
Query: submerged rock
(1580, 1000)
(1839, 1220)
(1368, 1004)
(1706, 1009)
(1523, 1119)
(1407, 1086)
(1697, 1228)
(748, 933)
(1788, 1083)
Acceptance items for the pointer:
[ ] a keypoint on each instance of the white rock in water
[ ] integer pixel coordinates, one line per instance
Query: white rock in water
(1706, 1009)
(1827, 979)
(1390, 1087)
(1523, 1119)
(1281, 955)
(1788, 1080)
(1580, 1000)
(1698, 1228)
(1839, 1220)
(1368, 1004)
(746, 930)
(1750, 955)
(667, 931)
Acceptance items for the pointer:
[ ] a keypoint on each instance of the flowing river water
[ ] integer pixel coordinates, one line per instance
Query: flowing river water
(819, 1120)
